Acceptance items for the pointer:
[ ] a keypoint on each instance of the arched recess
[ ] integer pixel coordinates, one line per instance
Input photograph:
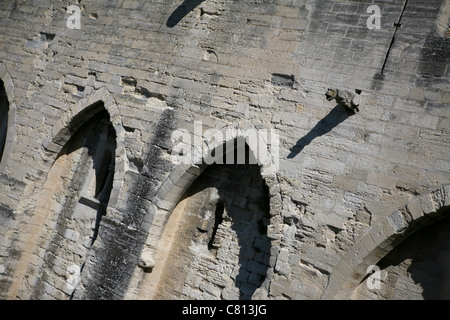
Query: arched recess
(87, 154)
(263, 145)
(191, 187)
(7, 117)
(75, 117)
(383, 237)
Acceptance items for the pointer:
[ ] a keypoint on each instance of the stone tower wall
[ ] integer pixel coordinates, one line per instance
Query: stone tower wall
(344, 188)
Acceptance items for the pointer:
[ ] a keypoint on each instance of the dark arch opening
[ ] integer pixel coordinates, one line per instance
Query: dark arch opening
(4, 110)
(418, 267)
(103, 177)
(221, 249)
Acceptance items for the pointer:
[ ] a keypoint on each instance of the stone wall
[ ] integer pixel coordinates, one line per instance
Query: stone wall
(417, 269)
(219, 246)
(348, 187)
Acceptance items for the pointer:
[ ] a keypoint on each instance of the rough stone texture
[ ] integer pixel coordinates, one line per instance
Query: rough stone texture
(348, 189)
(417, 269)
(71, 205)
(216, 244)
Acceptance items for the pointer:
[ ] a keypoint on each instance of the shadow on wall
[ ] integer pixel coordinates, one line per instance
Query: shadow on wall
(243, 209)
(422, 260)
(434, 55)
(435, 58)
(222, 239)
(4, 109)
(336, 116)
(81, 181)
(122, 242)
(183, 10)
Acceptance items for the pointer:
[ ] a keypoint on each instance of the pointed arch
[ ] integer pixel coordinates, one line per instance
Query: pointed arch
(186, 184)
(75, 117)
(10, 130)
(265, 153)
(384, 236)
(87, 153)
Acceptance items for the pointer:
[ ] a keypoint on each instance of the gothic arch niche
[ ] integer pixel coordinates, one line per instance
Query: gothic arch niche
(75, 197)
(381, 245)
(215, 243)
(416, 269)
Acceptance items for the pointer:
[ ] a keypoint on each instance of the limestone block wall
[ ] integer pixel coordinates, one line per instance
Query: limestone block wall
(416, 269)
(216, 239)
(346, 189)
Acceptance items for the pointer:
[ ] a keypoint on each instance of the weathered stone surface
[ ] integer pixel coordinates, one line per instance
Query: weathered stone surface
(397, 222)
(345, 187)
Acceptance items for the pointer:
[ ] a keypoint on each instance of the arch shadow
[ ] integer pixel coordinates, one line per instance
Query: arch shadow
(63, 141)
(193, 164)
(185, 175)
(181, 11)
(4, 109)
(383, 237)
(237, 205)
(428, 251)
(72, 119)
(82, 175)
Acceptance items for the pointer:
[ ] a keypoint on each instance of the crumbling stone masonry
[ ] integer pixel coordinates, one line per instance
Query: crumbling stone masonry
(96, 202)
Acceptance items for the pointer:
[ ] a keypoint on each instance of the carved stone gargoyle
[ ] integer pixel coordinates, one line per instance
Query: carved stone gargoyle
(345, 98)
